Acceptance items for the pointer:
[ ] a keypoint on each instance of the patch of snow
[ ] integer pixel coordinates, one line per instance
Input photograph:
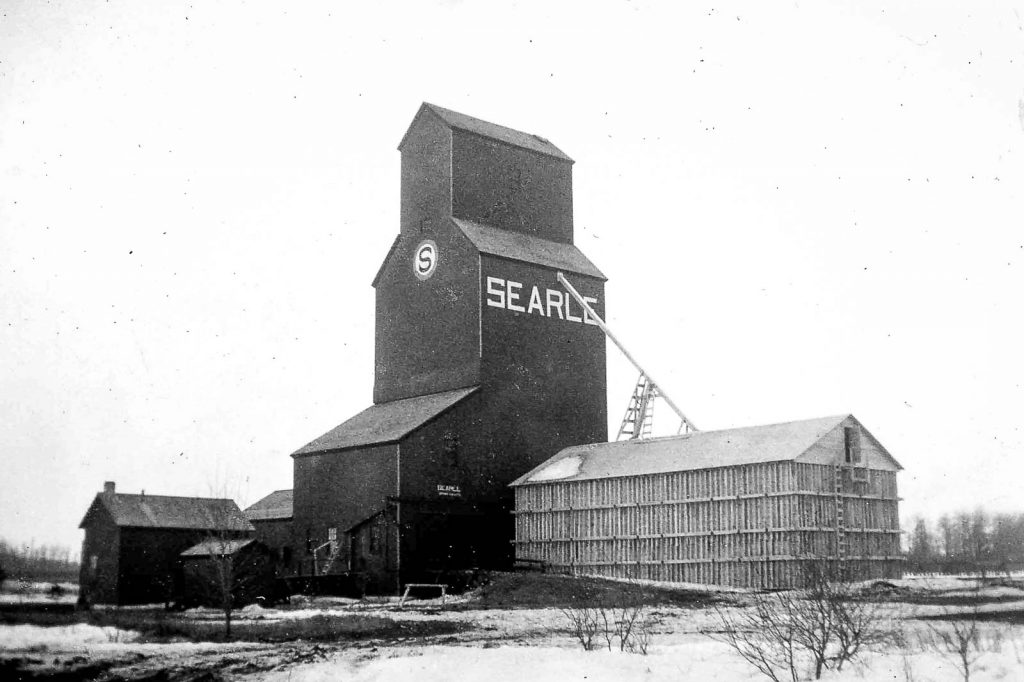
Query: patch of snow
(563, 468)
(701, 660)
(21, 637)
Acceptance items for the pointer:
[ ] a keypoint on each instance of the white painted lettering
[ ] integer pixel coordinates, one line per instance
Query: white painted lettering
(587, 318)
(552, 295)
(495, 289)
(512, 289)
(568, 315)
(508, 294)
(535, 302)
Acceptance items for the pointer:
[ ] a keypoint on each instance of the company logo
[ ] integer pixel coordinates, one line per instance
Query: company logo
(425, 260)
(522, 298)
(449, 490)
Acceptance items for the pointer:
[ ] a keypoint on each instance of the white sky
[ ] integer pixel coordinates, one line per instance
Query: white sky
(803, 209)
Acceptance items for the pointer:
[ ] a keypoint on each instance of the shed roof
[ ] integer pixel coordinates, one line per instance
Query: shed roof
(516, 138)
(385, 423)
(164, 511)
(527, 248)
(698, 450)
(216, 547)
(276, 505)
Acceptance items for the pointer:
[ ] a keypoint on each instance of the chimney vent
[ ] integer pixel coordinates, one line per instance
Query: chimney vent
(108, 488)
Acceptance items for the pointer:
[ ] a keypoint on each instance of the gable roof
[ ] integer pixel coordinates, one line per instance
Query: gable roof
(164, 511)
(215, 547)
(698, 450)
(495, 241)
(387, 259)
(510, 136)
(276, 505)
(385, 423)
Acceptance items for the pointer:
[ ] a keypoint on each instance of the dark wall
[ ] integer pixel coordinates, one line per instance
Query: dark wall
(252, 576)
(510, 187)
(278, 536)
(338, 489)
(543, 377)
(373, 549)
(426, 175)
(150, 562)
(99, 585)
(427, 338)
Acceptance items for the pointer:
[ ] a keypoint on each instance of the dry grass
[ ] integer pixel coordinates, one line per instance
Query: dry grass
(545, 590)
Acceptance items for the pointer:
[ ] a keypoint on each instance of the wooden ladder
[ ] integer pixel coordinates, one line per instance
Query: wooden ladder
(841, 547)
(639, 417)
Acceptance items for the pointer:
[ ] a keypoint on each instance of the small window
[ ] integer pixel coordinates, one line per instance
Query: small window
(93, 562)
(852, 444)
(286, 556)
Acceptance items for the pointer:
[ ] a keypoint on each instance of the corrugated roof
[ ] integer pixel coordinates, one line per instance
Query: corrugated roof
(698, 450)
(527, 248)
(164, 511)
(217, 547)
(385, 423)
(516, 138)
(276, 505)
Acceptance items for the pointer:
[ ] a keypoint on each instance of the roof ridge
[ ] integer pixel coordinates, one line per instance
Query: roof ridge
(514, 137)
(710, 431)
(168, 497)
(527, 248)
(403, 416)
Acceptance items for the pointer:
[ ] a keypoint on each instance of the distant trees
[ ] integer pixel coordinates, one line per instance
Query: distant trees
(42, 563)
(966, 541)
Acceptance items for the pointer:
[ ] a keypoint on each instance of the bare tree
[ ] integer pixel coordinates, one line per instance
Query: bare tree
(763, 635)
(959, 637)
(825, 625)
(226, 569)
(584, 624)
(623, 619)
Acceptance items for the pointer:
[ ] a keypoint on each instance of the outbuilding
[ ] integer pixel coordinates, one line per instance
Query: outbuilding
(130, 554)
(217, 566)
(747, 507)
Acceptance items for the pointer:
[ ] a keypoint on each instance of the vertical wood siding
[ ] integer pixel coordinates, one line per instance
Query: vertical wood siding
(757, 525)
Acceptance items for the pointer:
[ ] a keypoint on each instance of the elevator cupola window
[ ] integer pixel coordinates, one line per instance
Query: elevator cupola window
(852, 434)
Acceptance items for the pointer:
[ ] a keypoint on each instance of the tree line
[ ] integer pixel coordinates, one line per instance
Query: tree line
(37, 563)
(966, 541)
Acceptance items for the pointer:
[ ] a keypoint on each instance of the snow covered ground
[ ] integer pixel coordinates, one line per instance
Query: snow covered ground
(534, 643)
(697, 659)
(64, 638)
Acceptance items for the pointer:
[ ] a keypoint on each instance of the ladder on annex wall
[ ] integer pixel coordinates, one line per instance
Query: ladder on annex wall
(639, 418)
(841, 539)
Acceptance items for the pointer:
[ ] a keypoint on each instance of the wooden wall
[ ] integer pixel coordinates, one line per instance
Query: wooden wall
(756, 525)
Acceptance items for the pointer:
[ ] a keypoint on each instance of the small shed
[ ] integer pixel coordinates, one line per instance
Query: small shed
(747, 507)
(132, 543)
(243, 566)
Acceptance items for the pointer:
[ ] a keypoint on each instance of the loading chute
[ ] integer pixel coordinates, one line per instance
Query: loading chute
(637, 421)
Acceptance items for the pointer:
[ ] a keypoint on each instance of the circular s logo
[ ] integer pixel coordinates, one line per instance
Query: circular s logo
(424, 261)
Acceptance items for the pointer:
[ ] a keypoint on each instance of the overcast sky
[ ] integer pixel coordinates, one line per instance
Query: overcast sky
(803, 209)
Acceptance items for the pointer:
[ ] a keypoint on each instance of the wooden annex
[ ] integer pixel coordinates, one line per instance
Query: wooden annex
(747, 507)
